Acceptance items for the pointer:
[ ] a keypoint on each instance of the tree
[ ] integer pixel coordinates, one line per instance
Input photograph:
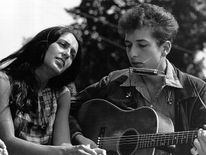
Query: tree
(102, 47)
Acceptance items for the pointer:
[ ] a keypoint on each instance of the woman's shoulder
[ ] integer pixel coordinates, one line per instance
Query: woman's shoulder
(4, 79)
(4, 76)
(57, 92)
(5, 87)
(63, 90)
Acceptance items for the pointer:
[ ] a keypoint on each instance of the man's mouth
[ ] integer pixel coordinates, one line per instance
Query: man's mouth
(137, 63)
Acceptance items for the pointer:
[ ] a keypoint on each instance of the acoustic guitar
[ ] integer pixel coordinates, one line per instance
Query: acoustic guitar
(133, 132)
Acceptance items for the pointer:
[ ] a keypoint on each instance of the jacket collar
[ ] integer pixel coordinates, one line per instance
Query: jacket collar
(189, 86)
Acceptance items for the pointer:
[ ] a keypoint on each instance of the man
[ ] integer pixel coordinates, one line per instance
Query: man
(3, 150)
(152, 81)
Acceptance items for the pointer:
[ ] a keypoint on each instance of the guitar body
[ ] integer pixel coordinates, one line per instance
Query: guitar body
(100, 118)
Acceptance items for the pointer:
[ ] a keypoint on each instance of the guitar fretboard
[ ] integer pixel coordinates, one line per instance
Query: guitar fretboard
(152, 140)
(164, 139)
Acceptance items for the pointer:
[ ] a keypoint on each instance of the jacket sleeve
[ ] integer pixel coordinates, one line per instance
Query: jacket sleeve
(192, 109)
(199, 110)
(95, 90)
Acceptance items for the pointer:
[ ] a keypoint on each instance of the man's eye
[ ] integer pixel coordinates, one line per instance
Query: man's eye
(142, 45)
(127, 45)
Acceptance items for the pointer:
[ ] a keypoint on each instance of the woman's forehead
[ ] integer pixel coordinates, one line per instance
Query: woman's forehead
(70, 38)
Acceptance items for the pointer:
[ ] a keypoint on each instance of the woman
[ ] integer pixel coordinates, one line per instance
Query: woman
(34, 102)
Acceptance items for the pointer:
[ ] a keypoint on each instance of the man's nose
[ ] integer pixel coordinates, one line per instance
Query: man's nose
(134, 51)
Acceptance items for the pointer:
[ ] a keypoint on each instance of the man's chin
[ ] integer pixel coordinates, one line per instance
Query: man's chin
(138, 66)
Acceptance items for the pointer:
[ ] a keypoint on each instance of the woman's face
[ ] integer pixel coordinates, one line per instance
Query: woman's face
(61, 54)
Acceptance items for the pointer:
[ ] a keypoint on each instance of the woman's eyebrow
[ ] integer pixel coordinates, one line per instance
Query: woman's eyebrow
(65, 41)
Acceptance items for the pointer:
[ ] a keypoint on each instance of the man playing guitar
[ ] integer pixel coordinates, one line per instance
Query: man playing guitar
(151, 81)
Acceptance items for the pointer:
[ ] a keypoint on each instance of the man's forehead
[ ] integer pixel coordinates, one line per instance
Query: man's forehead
(139, 34)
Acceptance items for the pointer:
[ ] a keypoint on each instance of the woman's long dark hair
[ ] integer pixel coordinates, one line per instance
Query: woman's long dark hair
(28, 58)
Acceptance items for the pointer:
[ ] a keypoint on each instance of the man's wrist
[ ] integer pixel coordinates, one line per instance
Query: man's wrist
(74, 135)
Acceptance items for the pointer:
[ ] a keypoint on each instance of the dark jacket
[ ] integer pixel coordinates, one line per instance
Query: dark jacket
(190, 108)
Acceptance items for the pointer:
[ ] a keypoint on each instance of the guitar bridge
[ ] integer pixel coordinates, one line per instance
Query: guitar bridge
(100, 136)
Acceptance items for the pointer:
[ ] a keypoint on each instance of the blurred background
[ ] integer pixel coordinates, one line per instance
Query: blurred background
(95, 22)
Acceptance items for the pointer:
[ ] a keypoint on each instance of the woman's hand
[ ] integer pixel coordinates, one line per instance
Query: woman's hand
(3, 150)
(83, 150)
(200, 143)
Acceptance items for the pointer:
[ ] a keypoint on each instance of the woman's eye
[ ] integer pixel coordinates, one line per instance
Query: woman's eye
(73, 53)
(62, 44)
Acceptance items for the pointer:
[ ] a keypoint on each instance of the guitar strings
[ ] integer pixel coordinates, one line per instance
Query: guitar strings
(168, 139)
(147, 141)
(152, 137)
(183, 133)
(142, 143)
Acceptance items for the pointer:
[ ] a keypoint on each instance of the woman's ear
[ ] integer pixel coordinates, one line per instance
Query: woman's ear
(166, 47)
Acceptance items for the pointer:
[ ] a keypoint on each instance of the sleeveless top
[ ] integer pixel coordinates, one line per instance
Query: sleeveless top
(38, 127)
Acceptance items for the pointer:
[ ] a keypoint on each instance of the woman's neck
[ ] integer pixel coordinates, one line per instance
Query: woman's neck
(42, 78)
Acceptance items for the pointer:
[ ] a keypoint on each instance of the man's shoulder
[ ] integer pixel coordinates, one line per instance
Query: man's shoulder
(186, 78)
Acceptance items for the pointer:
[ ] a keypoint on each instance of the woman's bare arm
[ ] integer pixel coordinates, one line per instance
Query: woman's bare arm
(61, 126)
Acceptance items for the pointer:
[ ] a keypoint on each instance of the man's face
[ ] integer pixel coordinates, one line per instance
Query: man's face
(142, 49)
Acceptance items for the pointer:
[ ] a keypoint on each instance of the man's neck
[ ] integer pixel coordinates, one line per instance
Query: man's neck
(159, 78)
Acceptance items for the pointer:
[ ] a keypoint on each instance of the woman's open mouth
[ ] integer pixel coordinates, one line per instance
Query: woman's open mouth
(60, 61)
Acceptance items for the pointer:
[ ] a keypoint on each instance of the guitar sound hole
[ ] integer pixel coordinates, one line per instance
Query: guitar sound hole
(110, 152)
(128, 142)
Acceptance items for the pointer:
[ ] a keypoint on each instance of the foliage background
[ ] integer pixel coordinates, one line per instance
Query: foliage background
(102, 47)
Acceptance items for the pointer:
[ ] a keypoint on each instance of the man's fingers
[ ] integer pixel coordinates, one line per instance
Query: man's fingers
(100, 151)
(82, 152)
(197, 144)
(5, 152)
(204, 126)
(2, 145)
(86, 149)
(194, 151)
(202, 136)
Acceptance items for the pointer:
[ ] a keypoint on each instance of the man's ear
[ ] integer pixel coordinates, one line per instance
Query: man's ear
(166, 47)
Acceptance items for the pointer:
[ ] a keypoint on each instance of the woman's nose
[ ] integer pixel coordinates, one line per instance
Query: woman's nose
(67, 53)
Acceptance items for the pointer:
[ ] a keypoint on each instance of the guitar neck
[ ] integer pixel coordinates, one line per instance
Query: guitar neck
(165, 139)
